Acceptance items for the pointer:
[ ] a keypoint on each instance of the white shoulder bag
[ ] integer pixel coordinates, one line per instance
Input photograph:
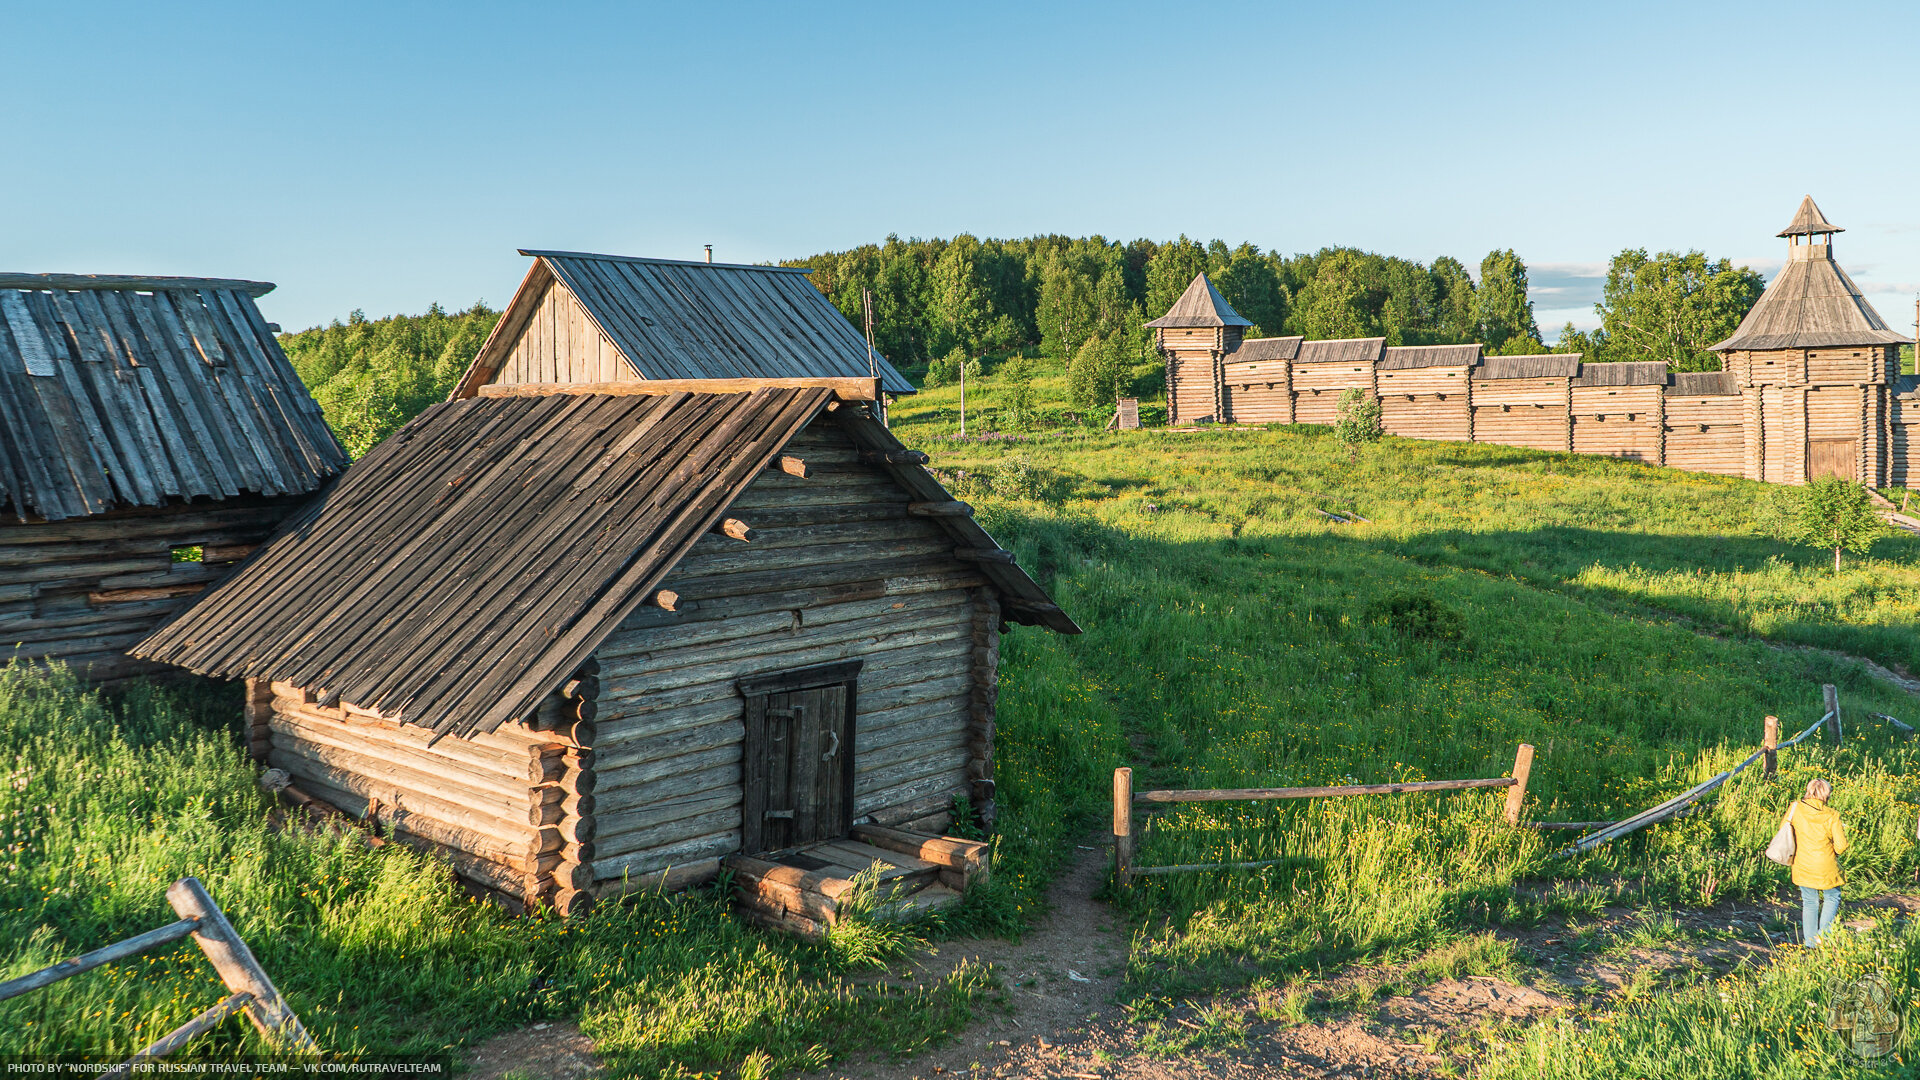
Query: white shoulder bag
(1781, 850)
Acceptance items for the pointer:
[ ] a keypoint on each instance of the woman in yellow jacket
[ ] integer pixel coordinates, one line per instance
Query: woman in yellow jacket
(1818, 836)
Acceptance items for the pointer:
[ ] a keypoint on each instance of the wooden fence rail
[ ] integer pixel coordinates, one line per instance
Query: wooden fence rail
(1124, 799)
(200, 917)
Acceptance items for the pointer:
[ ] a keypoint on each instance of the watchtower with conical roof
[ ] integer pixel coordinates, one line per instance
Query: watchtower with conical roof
(1816, 366)
(1194, 337)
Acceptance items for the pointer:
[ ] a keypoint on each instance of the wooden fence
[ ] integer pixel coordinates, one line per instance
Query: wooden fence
(200, 917)
(1124, 799)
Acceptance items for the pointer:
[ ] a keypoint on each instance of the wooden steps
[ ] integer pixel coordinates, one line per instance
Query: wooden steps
(801, 889)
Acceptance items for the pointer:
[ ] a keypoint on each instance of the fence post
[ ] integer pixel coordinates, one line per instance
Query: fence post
(237, 968)
(1522, 765)
(1832, 697)
(1770, 742)
(1123, 825)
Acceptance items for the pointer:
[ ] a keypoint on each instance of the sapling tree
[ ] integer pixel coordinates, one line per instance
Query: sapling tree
(1357, 420)
(1828, 513)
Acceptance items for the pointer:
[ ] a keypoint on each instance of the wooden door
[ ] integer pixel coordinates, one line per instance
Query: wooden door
(798, 766)
(1833, 457)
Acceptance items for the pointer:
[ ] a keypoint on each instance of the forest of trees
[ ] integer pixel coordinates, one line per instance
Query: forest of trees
(1082, 301)
(371, 376)
(1057, 293)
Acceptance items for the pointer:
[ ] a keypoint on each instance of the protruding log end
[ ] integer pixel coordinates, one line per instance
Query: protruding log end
(792, 466)
(737, 529)
(668, 600)
(572, 903)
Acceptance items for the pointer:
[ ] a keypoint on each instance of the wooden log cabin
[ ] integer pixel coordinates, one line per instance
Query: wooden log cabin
(1810, 384)
(601, 639)
(151, 433)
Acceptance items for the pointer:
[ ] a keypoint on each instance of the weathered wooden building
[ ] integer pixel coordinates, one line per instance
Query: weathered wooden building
(151, 432)
(1810, 386)
(583, 318)
(592, 639)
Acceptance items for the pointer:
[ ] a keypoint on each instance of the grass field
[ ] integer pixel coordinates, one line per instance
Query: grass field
(1625, 620)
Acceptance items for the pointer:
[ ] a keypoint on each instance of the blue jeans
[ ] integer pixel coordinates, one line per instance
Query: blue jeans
(1818, 909)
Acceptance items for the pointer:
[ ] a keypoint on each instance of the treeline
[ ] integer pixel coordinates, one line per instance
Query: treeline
(1082, 301)
(370, 376)
(1057, 293)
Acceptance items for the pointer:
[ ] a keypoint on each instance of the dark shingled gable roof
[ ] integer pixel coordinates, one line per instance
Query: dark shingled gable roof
(673, 319)
(1200, 305)
(1404, 357)
(1266, 348)
(466, 567)
(125, 391)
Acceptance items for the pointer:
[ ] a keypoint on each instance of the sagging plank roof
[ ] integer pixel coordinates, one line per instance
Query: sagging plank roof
(466, 566)
(693, 320)
(1341, 350)
(1267, 348)
(1409, 357)
(122, 391)
(1541, 366)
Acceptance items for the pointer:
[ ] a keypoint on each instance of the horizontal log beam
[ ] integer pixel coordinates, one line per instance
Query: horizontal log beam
(122, 282)
(947, 508)
(846, 389)
(1252, 794)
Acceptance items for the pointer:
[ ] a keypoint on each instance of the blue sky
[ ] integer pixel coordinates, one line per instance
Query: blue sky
(385, 156)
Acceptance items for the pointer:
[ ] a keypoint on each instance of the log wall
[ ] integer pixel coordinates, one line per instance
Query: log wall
(838, 570)
(510, 810)
(1426, 403)
(83, 590)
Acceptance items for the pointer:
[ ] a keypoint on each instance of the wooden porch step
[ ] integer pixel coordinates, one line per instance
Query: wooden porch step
(801, 890)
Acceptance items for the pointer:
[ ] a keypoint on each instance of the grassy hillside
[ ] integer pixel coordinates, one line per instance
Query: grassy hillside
(1625, 620)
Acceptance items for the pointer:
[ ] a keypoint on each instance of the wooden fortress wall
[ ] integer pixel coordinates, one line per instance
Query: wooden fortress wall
(83, 590)
(651, 781)
(1780, 416)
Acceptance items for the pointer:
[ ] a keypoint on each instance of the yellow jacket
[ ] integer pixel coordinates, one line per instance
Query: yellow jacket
(1818, 836)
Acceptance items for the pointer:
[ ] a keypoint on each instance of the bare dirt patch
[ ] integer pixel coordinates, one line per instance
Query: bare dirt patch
(551, 1051)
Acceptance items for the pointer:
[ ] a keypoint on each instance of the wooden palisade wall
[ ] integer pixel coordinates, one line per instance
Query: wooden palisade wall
(1780, 416)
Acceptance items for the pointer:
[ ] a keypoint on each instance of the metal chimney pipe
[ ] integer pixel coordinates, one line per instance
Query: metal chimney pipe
(709, 252)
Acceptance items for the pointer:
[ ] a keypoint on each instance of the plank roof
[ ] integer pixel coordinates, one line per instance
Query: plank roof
(675, 319)
(1543, 366)
(1623, 373)
(1705, 384)
(1341, 350)
(140, 391)
(1809, 221)
(1811, 303)
(1403, 357)
(1267, 348)
(1200, 305)
(464, 568)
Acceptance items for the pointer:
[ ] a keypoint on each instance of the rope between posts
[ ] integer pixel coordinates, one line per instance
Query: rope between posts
(1671, 806)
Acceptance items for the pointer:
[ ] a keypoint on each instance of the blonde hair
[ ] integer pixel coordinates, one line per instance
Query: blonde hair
(1818, 789)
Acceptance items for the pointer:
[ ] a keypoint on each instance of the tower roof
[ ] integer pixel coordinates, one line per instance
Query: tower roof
(1200, 305)
(1808, 221)
(1812, 303)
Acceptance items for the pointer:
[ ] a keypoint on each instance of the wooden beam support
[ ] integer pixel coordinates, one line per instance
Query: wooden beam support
(894, 457)
(120, 282)
(948, 508)
(1832, 696)
(1122, 826)
(843, 389)
(237, 968)
(1770, 742)
(1517, 794)
(985, 555)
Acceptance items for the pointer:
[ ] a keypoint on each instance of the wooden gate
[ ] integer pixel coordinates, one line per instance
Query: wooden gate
(798, 769)
(1833, 457)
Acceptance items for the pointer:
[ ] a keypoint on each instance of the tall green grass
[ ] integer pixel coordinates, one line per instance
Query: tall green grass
(106, 802)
